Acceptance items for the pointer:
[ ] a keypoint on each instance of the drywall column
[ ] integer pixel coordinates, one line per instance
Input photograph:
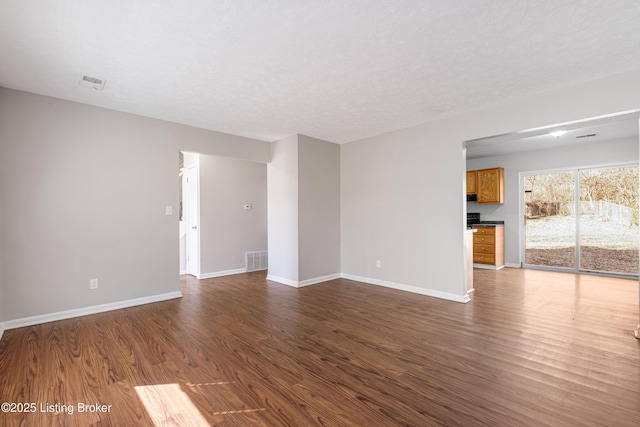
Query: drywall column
(303, 181)
(282, 211)
(318, 210)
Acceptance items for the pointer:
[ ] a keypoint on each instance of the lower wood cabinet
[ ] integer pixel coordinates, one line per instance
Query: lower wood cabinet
(488, 246)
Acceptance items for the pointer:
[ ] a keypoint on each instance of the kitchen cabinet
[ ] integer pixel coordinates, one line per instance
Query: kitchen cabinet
(488, 247)
(472, 183)
(490, 185)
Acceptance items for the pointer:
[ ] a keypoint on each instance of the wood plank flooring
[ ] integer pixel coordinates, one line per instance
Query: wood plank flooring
(532, 348)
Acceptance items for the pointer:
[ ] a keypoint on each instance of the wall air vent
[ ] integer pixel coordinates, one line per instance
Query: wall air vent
(256, 260)
(92, 82)
(586, 136)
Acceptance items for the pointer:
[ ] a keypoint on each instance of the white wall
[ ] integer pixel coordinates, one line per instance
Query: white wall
(282, 216)
(402, 195)
(227, 230)
(572, 156)
(401, 199)
(84, 191)
(319, 208)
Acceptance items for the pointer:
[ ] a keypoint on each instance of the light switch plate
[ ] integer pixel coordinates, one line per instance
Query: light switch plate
(168, 210)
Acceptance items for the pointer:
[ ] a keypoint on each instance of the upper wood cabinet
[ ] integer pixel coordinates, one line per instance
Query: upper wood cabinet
(472, 183)
(490, 185)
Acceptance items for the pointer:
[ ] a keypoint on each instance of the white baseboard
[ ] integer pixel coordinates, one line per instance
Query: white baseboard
(413, 289)
(487, 266)
(1, 330)
(221, 273)
(282, 280)
(320, 279)
(183, 272)
(510, 265)
(77, 312)
(307, 282)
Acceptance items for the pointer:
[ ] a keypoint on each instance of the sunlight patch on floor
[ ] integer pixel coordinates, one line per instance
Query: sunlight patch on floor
(167, 404)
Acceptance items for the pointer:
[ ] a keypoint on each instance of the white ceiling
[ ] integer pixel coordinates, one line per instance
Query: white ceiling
(596, 130)
(334, 69)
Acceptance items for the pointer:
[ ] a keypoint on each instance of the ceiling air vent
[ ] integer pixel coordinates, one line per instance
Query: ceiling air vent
(92, 82)
(586, 136)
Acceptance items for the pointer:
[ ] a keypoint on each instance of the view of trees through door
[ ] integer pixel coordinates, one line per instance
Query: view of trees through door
(583, 220)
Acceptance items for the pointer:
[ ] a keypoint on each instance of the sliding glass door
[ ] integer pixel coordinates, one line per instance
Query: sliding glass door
(583, 220)
(609, 220)
(550, 221)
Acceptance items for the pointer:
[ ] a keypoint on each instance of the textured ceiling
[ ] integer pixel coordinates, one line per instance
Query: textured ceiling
(335, 70)
(596, 130)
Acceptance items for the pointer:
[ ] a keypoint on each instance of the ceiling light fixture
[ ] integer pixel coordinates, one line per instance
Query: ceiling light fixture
(558, 133)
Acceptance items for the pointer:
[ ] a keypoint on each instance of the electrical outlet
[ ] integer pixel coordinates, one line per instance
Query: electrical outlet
(93, 284)
(378, 264)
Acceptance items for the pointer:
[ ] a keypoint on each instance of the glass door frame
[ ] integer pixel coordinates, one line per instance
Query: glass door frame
(522, 213)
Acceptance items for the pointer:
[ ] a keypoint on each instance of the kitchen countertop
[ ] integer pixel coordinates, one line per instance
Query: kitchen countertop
(487, 224)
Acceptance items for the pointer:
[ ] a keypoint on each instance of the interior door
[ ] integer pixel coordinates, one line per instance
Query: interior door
(192, 222)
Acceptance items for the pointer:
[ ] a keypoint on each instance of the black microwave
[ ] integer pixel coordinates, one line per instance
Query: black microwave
(472, 197)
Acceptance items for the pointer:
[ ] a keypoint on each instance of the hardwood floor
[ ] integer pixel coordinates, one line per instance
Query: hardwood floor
(532, 348)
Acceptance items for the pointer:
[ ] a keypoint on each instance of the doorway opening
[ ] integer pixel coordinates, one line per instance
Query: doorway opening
(189, 234)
